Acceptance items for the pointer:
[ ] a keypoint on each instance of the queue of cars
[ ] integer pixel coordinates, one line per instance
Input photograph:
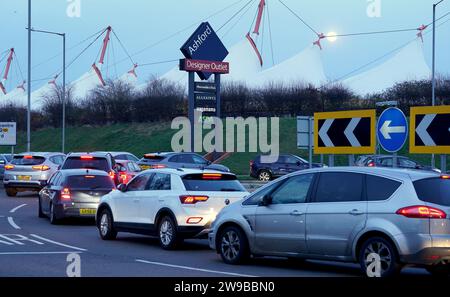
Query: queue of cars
(399, 217)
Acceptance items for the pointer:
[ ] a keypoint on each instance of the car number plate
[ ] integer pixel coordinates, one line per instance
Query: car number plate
(145, 167)
(24, 177)
(86, 211)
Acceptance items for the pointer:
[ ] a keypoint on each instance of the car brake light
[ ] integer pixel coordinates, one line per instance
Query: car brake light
(371, 164)
(158, 166)
(41, 167)
(9, 167)
(212, 176)
(28, 157)
(194, 220)
(89, 176)
(112, 174)
(86, 157)
(65, 194)
(442, 176)
(422, 212)
(123, 177)
(187, 199)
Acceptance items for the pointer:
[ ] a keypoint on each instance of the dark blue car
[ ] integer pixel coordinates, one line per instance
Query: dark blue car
(285, 164)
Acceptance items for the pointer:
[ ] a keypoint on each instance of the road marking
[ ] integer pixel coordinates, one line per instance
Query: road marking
(13, 224)
(58, 243)
(16, 208)
(195, 269)
(36, 253)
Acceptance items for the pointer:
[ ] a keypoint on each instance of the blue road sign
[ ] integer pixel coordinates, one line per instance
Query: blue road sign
(204, 44)
(392, 130)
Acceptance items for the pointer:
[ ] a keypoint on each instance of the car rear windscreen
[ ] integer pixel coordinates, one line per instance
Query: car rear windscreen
(27, 160)
(91, 163)
(153, 158)
(212, 183)
(434, 190)
(91, 182)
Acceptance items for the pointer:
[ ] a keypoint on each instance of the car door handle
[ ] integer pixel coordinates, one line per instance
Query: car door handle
(296, 213)
(356, 212)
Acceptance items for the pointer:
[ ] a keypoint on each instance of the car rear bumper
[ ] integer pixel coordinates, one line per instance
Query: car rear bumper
(33, 185)
(429, 256)
(199, 232)
(74, 210)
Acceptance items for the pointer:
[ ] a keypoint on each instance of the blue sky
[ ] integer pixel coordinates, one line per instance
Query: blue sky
(140, 23)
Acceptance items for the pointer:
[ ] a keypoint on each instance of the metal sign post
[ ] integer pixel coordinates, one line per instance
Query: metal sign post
(305, 136)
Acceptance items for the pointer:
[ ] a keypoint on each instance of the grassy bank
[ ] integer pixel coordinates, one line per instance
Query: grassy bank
(153, 137)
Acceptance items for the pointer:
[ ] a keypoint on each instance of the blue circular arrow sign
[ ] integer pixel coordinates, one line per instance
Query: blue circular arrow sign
(392, 130)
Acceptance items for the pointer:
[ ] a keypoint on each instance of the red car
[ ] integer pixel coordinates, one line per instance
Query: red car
(127, 169)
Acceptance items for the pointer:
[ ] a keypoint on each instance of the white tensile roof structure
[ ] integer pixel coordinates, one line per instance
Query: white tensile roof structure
(304, 67)
(408, 64)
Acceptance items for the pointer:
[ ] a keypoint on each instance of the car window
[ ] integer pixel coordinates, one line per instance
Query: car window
(290, 160)
(257, 197)
(405, 163)
(57, 180)
(159, 182)
(91, 182)
(131, 158)
(294, 190)
(198, 160)
(434, 190)
(386, 162)
(174, 159)
(339, 187)
(86, 163)
(185, 159)
(139, 183)
(380, 188)
(121, 157)
(133, 167)
(27, 160)
(212, 182)
(52, 179)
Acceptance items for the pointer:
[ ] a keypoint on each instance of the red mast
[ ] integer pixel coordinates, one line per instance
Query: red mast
(261, 5)
(105, 44)
(8, 66)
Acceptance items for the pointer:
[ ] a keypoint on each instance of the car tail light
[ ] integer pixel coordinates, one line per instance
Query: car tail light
(422, 212)
(194, 220)
(9, 167)
(65, 194)
(212, 176)
(158, 166)
(86, 157)
(28, 157)
(89, 176)
(123, 177)
(371, 164)
(41, 167)
(112, 174)
(187, 199)
(442, 176)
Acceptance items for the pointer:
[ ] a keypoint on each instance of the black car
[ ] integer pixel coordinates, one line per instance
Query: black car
(178, 160)
(73, 193)
(285, 164)
(388, 161)
(96, 161)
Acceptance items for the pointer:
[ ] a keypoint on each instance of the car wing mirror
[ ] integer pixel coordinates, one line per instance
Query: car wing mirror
(122, 188)
(266, 200)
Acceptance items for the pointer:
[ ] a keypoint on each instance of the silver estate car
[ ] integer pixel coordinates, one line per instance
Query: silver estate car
(30, 171)
(381, 218)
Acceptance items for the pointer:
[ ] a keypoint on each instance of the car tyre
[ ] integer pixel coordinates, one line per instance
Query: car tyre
(264, 175)
(11, 192)
(385, 250)
(167, 234)
(233, 246)
(105, 225)
(53, 219)
(40, 213)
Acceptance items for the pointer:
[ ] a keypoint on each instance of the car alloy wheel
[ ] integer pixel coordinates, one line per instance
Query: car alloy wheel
(166, 232)
(230, 245)
(264, 176)
(379, 249)
(104, 224)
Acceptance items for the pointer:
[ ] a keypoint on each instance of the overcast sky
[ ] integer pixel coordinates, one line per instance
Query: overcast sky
(140, 23)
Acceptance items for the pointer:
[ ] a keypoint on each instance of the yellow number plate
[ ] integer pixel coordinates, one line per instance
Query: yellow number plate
(145, 167)
(24, 177)
(85, 211)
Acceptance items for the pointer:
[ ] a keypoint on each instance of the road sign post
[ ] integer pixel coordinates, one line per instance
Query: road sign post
(392, 131)
(345, 132)
(305, 138)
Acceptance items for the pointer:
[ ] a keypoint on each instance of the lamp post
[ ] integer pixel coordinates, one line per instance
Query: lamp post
(29, 80)
(63, 35)
(433, 75)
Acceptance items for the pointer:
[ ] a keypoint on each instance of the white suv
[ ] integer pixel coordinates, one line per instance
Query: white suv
(172, 204)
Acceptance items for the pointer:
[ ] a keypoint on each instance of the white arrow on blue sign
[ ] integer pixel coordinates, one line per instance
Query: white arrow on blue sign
(392, 130)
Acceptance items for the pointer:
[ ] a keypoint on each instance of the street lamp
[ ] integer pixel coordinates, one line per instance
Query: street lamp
(63, 35)
(433, 78)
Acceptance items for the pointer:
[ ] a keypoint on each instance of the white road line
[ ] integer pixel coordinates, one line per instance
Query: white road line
(16, 208)
(13, 224)
(58, 243)
(195, 269)
(37, 253)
